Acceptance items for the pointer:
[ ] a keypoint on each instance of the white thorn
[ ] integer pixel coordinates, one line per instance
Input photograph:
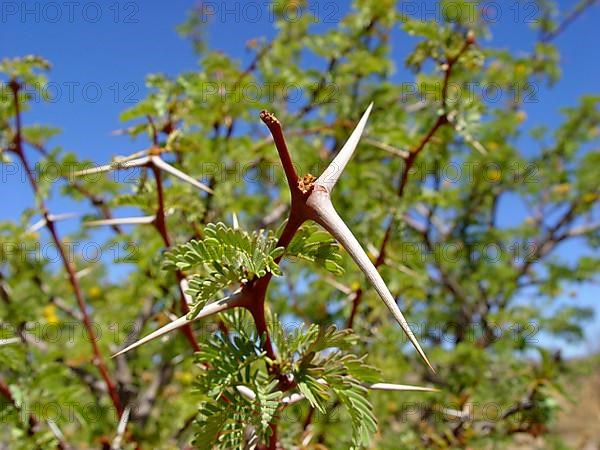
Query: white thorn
(246, 392)
(296, 397)
(120, 164)
(171, 316)
(387, 148)
(339, 286)
(37, 226)
(9, 341)
(373, 250)
(421, 104)
(63, 216)
(178, 323)
(121, 221)
(399, 387)
(293, 398)
(423, 210)
(330, 176)
(184, 285)
(208, 310)
(234, 221)
(583, 229)
(158, 162)
(326, 215)
(83, 272)
(53, 218)
(455, 413)
(55, 430)
(121, 427)
(467, 137)
(131, 156)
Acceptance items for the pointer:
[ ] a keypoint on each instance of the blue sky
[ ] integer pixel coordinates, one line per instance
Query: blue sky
(101, 52)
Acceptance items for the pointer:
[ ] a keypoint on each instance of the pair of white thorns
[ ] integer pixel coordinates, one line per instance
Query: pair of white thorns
(317, 206)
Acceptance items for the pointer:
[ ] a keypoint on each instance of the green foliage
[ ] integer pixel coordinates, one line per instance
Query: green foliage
(231, 362)
(318, 361)
(317, 246)
(224, 257)
(484, 281)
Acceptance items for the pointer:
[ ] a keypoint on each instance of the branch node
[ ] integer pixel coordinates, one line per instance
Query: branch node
(306, 183)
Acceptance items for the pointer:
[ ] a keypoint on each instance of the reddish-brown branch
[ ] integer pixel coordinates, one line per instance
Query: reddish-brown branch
(297, 216)
(257, 293)
(161, 226)
(273, 438)
(32, 420)
(98, 360)
(87, 322)
(441, 120)
(160, 220)
(450, 62)
(577, 11)
(286, 160)
(290, 229)
(253, 64)
(408, 164)
(331, 66)
(358, 294)
(154, 131)
(5, 391)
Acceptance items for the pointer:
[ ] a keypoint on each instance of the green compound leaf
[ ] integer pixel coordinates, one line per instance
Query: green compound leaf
(311, 243)
(224, 258)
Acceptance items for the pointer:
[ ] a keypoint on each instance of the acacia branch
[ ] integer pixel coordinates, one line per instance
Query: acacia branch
(571, 17)
(310, 201)
(32, 420)
(96, 201)
(97, 360)
(409, 161)
(284, 154)
(161, 226)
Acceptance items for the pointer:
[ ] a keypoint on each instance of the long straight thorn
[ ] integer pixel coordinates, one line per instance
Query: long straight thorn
(330, 176)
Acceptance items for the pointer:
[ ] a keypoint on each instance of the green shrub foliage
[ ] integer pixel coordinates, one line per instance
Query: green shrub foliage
(430, 194)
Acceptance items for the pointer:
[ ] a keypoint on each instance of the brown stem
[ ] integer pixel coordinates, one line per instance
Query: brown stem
(309, 418)
(154, 131)
(291, 227)
(96, 201)
(577, 11)
(160, 220)
(450, 62)
(257, 309)
(273, 438)
(253, 64)
(98, 360)
(331, 66)
(288, 166)
(258, 291)
(161, 226)
(409, 162)
(358, 294)
(32, 420)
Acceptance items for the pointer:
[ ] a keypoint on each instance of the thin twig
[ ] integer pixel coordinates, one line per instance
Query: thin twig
(577, 11)
(409, 162)
(97, 360)
(161, 226)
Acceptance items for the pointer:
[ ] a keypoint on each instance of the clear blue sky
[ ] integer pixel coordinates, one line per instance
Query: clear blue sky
(101, 52)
